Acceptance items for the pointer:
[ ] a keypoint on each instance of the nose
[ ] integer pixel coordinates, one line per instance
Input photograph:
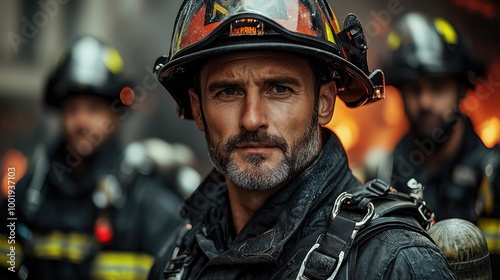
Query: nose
(254, 113)
(426, 99)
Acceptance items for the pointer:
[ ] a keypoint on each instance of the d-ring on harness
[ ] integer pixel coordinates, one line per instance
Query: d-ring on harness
(331, 248)
(385, 209)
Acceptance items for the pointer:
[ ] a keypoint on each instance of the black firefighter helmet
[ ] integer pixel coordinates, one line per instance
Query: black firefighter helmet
(206, 28)
(89, 66)
(424, 47)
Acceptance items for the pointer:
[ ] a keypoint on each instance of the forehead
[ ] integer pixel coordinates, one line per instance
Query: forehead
(286, 62)
(443, 80)
(84, 99)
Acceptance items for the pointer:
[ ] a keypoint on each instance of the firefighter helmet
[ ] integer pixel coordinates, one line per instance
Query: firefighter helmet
(88, 67)
(421, 46)
(205, 28)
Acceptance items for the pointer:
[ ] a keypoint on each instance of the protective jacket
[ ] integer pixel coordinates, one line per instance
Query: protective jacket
(72, 226)
(466, 186)
(275, 241)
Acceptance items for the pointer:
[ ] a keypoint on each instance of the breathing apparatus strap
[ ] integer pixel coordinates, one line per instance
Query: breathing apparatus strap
(384, 209)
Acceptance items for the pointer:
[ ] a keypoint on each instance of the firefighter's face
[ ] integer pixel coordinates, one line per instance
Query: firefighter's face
(88, 123)
(431, 103)
(260, 116)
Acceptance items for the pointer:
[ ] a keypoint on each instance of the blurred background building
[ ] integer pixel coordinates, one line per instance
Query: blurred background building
(35, 32)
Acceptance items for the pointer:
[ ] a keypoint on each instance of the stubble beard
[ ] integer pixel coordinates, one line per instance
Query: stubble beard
(261, 176)
(445, 123)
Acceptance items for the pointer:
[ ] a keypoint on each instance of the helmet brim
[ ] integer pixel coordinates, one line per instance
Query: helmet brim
(177, 76)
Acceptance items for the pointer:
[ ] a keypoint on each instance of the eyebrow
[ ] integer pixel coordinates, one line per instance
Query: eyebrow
(271, 81)
(283, 81)
(217, 85)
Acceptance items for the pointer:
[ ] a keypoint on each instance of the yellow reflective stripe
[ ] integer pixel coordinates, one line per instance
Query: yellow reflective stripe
(487, 195)
(49, 246)
(393, 41)
(329, 33)
(447, 30)
(491, 231)
(122, 265)
(336, 24)
(113, 60)
(79, 246)
(74, 247)
(8, 255)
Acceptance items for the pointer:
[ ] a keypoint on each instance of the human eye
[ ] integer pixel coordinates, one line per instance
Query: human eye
(226, 93)
(279, 89)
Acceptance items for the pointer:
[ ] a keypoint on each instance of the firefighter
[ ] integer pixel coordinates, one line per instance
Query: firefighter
(432, 68)
(85, 210)
(260, 79)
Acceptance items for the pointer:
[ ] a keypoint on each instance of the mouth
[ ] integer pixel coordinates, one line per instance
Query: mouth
(255, 147)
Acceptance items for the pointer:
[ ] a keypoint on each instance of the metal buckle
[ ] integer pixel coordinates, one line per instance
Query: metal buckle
(300, 275)
(422, 210)
(341, 199)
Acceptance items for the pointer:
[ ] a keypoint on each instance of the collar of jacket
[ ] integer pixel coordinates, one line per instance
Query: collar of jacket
(263, 237)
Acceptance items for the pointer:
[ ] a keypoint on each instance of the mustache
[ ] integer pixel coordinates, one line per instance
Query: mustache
(256, 136)
(428, 113)
(77, 131)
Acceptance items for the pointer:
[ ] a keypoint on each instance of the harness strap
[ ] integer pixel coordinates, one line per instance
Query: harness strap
(326, 256)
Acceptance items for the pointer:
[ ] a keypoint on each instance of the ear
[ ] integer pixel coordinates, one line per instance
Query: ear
(196, 109)
(327, 97)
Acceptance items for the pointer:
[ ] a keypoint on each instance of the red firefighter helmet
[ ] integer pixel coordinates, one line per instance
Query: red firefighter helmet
(206, 28)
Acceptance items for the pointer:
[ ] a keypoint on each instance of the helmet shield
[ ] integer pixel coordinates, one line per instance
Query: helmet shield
(198, 19)
(207, 28)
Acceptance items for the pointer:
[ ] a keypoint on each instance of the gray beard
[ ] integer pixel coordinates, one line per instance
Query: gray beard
(296, 157)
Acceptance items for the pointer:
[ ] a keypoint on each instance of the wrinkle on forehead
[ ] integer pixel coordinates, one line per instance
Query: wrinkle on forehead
(254, 66)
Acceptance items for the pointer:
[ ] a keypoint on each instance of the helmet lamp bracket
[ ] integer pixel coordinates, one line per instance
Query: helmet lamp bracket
(353, 41)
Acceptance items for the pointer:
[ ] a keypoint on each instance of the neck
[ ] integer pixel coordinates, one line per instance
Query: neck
(245, 203)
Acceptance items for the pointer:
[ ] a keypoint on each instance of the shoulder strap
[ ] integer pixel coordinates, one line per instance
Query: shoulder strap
(383, 208)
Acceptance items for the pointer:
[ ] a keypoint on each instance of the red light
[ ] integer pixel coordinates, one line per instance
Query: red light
(103, 232)
(127, 96)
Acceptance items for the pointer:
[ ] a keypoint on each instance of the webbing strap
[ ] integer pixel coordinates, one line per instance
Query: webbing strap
(326, 256)
(324, 259)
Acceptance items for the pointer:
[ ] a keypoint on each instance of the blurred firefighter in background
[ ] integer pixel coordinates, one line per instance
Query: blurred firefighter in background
(432, 68)
(86, 209)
